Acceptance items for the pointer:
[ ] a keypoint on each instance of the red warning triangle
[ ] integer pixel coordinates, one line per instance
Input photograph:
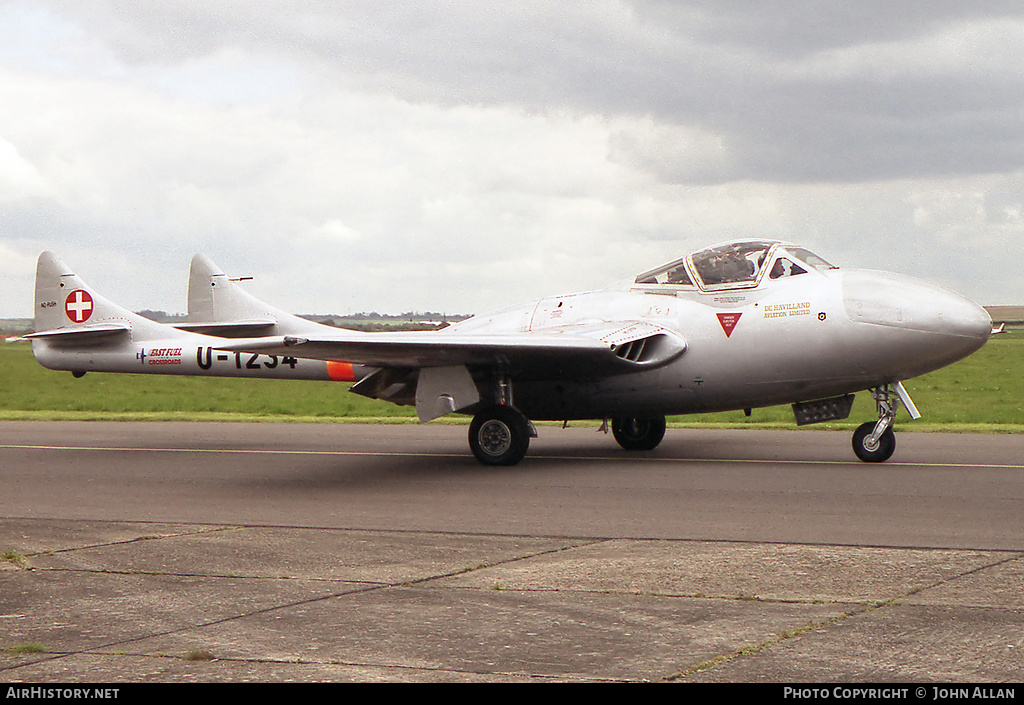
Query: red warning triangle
(728, 321)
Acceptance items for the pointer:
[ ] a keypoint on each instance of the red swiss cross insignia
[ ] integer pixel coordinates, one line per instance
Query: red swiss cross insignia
(728, 321)
(78, 306)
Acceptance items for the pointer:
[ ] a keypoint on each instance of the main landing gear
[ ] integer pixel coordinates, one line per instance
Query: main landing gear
(500, 435)
(876, 442)
(638, 434)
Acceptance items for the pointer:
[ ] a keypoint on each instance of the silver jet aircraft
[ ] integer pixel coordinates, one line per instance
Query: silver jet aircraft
(736, 326)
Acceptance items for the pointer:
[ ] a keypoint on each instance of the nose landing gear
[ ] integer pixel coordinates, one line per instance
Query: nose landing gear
(876, 442)
(871, 446)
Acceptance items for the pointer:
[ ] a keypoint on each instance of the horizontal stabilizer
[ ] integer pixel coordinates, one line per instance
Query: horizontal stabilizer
(230, 329)
(81, 334)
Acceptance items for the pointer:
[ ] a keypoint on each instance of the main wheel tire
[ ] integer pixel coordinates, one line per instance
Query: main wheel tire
(638, 434)
(885, 449)
(499, 436)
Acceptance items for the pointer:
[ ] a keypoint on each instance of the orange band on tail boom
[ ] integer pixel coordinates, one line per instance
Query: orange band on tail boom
(340, 371)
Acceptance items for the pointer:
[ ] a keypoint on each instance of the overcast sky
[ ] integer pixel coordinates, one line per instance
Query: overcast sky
(461, 156)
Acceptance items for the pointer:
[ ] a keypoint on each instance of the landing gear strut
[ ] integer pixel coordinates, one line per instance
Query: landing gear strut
(500, 434)
(638, 434)
(875, 442)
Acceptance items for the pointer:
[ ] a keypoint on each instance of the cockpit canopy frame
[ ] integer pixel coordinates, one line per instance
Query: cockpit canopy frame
(740, 264)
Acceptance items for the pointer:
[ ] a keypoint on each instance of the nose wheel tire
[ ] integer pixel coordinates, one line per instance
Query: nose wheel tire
(638, 434)
(873, 453)
(499, 436)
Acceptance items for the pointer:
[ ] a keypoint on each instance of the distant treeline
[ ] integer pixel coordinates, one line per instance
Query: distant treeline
(408, 317)
(382, 322)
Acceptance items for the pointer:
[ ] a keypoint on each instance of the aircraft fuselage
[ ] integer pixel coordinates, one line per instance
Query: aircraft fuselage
(814, 336)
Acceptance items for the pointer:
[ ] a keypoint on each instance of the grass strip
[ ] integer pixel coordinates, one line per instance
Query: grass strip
(981, 394)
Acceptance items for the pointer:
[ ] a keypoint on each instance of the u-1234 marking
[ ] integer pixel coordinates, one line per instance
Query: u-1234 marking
(205, 358)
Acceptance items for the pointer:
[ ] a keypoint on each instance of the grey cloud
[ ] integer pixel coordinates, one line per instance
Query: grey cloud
(757, 75)
(800, 27)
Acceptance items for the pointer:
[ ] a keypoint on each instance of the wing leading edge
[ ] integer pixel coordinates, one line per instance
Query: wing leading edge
(578, 352)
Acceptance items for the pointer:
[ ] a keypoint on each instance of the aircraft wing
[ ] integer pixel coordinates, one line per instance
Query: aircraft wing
(576, 351)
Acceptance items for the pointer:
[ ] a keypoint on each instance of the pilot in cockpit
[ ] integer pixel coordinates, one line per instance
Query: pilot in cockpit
(785, 268)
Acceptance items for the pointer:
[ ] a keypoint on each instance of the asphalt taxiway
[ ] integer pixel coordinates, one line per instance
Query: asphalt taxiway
(281, 552)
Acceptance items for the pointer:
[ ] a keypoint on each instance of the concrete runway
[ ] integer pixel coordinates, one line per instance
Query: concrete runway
(274, 552)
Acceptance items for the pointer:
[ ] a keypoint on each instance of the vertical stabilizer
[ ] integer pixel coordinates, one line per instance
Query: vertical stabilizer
(74, 324)
(55, 284)
(65, 302)
(203, 278)
(217, 305)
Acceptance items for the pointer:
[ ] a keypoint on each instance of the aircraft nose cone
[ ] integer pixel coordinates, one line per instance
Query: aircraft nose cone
(935, 325)
(902, 302)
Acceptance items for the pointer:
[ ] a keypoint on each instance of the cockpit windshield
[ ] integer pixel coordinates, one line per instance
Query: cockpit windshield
(736, 265)
(808, 257)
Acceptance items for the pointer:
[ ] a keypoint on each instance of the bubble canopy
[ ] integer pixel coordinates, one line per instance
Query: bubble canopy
(733, 265)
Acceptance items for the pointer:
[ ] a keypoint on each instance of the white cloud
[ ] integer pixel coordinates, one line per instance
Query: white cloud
(19, 178)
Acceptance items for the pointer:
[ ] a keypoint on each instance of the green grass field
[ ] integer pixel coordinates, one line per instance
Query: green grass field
(985, 392)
